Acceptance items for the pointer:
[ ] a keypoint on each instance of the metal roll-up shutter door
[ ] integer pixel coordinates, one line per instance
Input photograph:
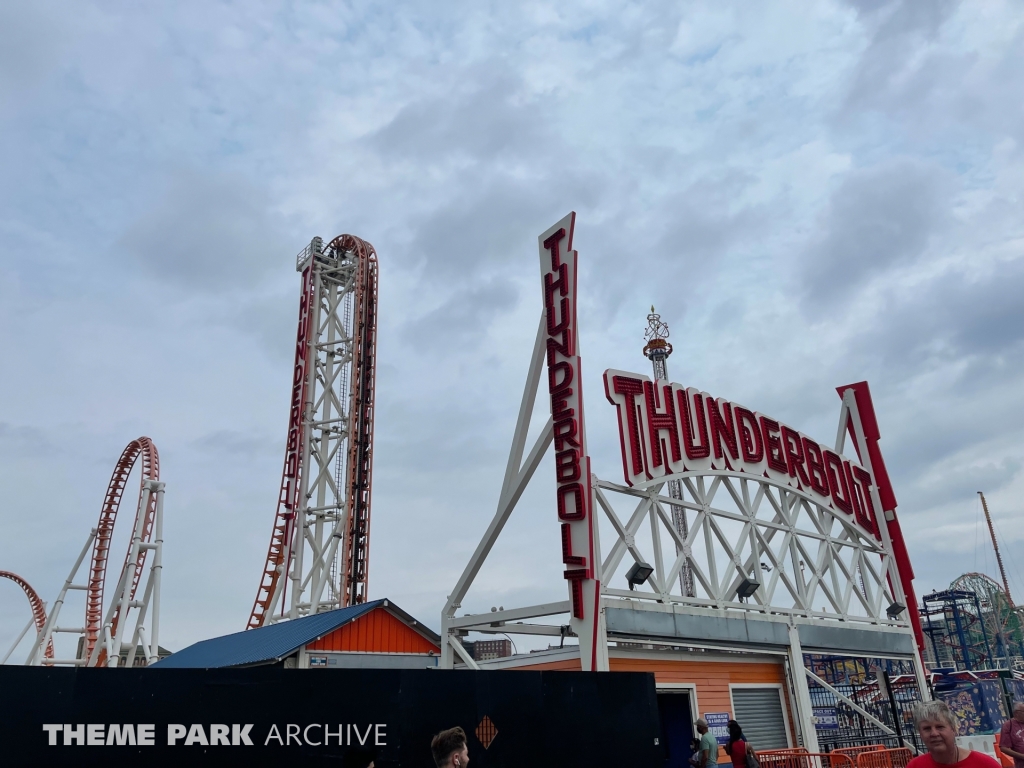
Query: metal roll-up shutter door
(759, 713)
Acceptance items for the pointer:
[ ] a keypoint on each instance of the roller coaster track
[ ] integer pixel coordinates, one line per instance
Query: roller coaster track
(143, 448)
(360, 458)
(38, 609)
(321, 522)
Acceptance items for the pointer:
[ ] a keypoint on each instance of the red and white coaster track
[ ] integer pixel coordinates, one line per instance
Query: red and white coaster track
(143, 449)
(38, 612)
(102, 634)
(320, 542)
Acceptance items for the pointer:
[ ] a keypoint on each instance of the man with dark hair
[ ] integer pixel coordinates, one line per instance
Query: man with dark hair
(449, 748)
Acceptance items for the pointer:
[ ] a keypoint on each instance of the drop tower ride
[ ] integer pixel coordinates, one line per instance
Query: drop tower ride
(318, 557)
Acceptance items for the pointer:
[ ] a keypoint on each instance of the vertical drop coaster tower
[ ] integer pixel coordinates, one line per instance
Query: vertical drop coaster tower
(319, 550)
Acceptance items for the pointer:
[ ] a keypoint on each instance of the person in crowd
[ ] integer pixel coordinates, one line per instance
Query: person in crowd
(1011, 737)
(449, 748)
(738, 748)
(695, 752)
(938, 729)
(707, 749)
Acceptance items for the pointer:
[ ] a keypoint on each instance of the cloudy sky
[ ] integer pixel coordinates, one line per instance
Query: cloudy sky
(810, 193)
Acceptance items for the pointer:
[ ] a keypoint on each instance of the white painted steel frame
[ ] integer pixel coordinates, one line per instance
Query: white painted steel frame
(122, 606)
(812, 551)
(803, 543)
(313, 553)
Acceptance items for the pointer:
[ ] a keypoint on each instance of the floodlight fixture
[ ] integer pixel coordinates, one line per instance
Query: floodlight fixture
(639, 573)
(747, 588)
(894, 610)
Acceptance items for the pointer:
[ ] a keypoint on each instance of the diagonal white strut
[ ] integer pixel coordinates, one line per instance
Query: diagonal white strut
(517, 477)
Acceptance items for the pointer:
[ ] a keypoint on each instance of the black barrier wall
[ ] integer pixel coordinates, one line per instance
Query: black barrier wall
(273, 716)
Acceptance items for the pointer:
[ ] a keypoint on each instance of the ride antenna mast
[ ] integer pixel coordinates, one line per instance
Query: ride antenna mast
(657, 350)
(319, 549)
(995, 547)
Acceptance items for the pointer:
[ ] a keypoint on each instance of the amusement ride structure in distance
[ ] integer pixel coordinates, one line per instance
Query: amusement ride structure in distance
(319, 549)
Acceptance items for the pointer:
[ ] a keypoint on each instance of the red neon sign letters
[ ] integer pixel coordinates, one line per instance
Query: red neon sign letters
(665, 429)
(572, 465)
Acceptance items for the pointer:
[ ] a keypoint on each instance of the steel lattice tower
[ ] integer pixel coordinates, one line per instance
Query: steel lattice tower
(321, 537)
(657, 350)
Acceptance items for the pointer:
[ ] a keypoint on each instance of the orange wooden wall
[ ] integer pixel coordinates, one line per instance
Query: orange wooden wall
(711, 678)
(375, 632)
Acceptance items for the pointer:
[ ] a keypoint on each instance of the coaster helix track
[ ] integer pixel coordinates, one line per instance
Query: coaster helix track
(102, 633)
(318, 557)
(34, 601)
(143, 448)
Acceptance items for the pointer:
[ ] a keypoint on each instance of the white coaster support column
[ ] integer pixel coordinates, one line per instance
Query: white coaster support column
(804, 710)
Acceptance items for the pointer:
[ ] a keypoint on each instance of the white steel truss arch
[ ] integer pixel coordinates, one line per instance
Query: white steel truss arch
(800, 553)
(820, 564)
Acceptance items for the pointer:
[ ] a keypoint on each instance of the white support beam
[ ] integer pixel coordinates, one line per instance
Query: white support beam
(521, 629)
(857, 707)
(804, 710)
(517, 476)
(35, 657)
(18, 639)
(456, 644)
(513, 614)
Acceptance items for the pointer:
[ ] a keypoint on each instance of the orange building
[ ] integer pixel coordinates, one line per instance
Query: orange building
(377, 635)
(753, 688)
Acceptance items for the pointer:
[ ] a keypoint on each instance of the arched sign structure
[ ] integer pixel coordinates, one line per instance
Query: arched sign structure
(790, 543)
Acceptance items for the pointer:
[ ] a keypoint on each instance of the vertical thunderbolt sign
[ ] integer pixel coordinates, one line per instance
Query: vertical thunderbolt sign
(572, 464)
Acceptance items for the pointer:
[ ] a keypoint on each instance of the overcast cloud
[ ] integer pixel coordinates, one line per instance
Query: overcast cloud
(810, 193)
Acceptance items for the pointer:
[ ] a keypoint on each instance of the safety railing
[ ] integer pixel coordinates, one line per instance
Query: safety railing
(885, 758)
(801, 758)
(854, 752)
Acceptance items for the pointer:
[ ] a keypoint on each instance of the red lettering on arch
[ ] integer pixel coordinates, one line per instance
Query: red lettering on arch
(694, 426)
(863, 485)
(722, 429)
(750, 436)
(773, 444)
(794, 455)
(837, 484)
(630, 387)
(661, 422)
(815, 466)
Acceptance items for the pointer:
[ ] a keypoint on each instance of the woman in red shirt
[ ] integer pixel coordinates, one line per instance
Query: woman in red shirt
(737, 746)
(938, 730)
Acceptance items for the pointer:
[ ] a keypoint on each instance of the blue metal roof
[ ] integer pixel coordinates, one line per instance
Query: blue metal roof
(266, 644)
